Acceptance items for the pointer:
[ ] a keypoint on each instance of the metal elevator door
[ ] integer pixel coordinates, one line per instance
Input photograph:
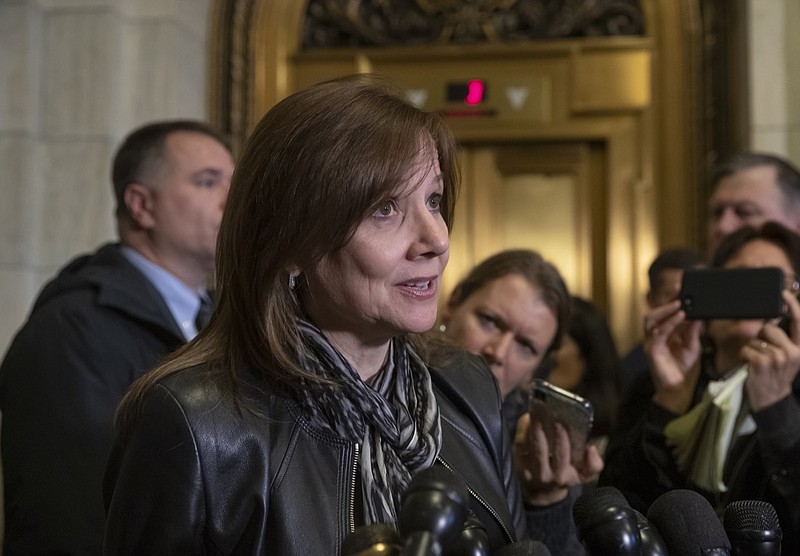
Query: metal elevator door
(549, 197)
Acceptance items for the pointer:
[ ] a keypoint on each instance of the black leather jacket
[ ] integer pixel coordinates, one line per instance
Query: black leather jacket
(198, 476)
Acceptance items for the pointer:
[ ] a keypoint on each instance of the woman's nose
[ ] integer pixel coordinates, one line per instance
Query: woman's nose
(496, 350)
(433, 237)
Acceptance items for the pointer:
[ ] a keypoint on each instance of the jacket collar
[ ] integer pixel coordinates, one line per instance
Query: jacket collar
(119, 286)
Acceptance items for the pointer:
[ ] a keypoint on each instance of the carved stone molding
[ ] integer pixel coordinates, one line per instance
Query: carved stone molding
(377, 23)
(229, 66)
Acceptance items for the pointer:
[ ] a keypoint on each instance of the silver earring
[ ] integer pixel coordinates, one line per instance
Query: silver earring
(442, 327)
(293, 279)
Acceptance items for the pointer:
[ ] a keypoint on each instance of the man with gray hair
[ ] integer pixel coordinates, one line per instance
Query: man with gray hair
(102, 322)
(751, 189)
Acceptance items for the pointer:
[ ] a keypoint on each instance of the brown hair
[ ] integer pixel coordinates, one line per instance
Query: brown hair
(315, 166)
(771, 232)
(531, 266)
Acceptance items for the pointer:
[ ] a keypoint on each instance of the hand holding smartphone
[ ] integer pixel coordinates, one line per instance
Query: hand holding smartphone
(550, 404)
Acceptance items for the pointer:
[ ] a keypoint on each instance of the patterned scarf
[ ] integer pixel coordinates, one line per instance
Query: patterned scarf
(396, 419)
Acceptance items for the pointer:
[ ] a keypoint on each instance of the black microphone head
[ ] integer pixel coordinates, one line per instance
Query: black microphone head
(688, 523)
(594, 500)
(753, 527)
(605, 523)
(378, 538)
(435, 502)
(744, 515)
(438, 478)
(472, 541)
(652, 543)
(524, 548)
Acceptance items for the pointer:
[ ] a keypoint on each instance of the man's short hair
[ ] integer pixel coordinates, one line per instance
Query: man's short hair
(671, 259)
(788, 176)
(142, 154)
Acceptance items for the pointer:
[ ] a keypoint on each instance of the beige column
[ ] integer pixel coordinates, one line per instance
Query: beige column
(75, 76)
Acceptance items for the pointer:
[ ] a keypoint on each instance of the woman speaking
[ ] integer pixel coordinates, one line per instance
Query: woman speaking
(305, 407)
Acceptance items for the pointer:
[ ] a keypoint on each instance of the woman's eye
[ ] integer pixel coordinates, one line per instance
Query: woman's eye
(205, 183)
(435, 201)
(526, 349)
(386, 208)
(485, 320)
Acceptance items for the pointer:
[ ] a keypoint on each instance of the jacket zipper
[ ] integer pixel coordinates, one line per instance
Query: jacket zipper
(482, 502)
(353, 489)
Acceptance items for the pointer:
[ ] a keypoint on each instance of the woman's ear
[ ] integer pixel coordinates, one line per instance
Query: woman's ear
(294, 274)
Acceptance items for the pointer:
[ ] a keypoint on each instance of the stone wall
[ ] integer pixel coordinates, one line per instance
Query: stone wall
(75, 77)
(775, 76)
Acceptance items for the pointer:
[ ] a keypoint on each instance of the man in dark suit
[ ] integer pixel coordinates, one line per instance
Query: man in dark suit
(103, 321)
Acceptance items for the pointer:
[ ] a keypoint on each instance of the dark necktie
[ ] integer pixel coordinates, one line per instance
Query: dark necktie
(203, 313)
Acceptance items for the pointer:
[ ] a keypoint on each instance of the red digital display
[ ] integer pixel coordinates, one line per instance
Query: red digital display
(475, 90)
(471, 92)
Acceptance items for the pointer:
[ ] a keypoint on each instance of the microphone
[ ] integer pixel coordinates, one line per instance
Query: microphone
(688, 524)
(524, 548)
(753, 528)
(378, 539)
(432, 512)
(652, 543)
(605, 523)
(472, 541)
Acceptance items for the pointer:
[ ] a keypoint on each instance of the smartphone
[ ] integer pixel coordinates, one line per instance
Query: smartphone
(732, 293)
(550, 404)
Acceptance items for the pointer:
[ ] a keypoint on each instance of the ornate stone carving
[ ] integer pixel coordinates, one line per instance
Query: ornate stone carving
(377, 23)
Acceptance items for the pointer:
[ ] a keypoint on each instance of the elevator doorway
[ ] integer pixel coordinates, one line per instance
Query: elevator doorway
(545, 196)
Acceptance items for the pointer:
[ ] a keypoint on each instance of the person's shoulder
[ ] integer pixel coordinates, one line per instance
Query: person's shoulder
(634, 364)
(458, 367)
(103, 292)
(193, 388)
(199, 390)
(66, 309)
(464, 377)
(635, 357)
(84, 274)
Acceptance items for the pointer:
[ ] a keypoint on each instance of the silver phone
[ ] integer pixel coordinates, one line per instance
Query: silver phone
(550, 404)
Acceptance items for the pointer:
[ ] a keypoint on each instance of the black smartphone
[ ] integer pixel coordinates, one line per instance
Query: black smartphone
(732, 293)
(550, 404)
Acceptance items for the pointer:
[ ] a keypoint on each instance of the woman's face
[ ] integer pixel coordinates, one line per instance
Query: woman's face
(508, 324)
(385, 281)
(733, 334)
